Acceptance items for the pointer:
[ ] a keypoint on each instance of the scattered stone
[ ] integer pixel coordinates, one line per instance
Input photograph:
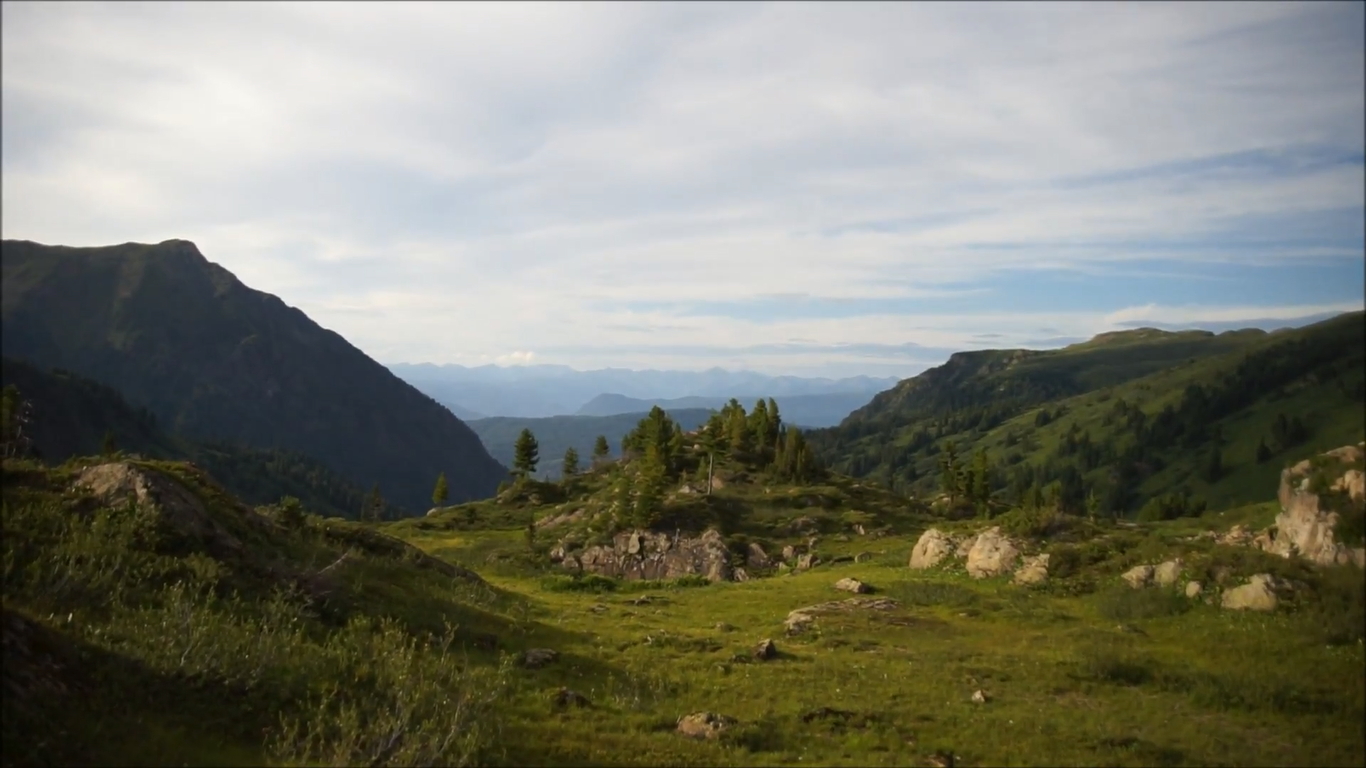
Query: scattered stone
(704, 725)
(1167, 573)
(740, 574)
(858, 528)
(980, 697)
(991, 555)
(1034, 570)
(827, 713)
(802, 618)
(853, 585)
(863, 557)
(567, 698)
(1306, 529)
(536, 658)
(1139, 576)
(806, 561)
(798, 622)
(757, 557)
(724, 627)
(784, 569)
(931, 549)
(1237, 536)
(598, 608)
(635, 555)
(1259, 594)
(941, 760)
(765, 650)
(1193, 589)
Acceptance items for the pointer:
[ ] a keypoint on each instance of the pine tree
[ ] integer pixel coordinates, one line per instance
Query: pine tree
(1263, 453)
(373, 511)
(570, 466)
(109, 447)
(440, 493)
(526, 453)
(1214, 468)
(291, 512)
(949, 472)
(531, 533)
(980, 488)
(601, 450)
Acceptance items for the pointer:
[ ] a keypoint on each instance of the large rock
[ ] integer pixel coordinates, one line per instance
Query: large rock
(991, 555)
(1034, 570)
(932, 548)
(1167, 574)
(635, 555)
(801, 619)
(852, 585)
(1259, 594)
(1304, 527)
(1139, 576)
(757, 557)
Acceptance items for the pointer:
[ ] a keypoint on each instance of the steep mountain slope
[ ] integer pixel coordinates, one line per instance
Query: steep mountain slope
(1086, 419)
(555, 434)
(214, 359)
(70, 416)
(808, 411)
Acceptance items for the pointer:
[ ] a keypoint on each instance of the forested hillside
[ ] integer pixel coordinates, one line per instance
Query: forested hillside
(216, 360)
(1118, 421)
(54, 416)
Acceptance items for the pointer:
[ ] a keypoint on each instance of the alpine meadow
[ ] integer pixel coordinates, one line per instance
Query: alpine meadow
(683, 384)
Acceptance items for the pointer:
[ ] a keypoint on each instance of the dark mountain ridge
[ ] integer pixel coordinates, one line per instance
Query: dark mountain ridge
(215, 359)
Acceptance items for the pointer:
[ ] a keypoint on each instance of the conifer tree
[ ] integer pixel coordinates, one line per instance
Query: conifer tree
(1263, 453)
(950, 479)
(373, 511)
(526, 453)
(441, 492)
(109, 447)
(601, 450)
(570, 466)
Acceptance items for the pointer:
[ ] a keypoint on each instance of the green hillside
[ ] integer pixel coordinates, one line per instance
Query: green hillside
(69, 416)
(216, 360)
(1097, 418)
(555, 434)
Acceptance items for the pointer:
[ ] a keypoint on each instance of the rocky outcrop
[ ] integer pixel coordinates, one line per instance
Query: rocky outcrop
(704, 725)
(848, 584)
(1167, 574)
(1305, 527)
(1034, 570)
(756, 557)
(802, 619)
(1139, 576)
(991, 555)
(635, 555)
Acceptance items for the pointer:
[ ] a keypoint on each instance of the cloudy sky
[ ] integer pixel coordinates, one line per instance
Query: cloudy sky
(798, 188)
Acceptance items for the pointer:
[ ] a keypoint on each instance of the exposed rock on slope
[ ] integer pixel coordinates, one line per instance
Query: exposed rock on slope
(646, 555)
(1305, 526)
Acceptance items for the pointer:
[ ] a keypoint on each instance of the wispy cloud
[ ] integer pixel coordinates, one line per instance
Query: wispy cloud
(679, 184)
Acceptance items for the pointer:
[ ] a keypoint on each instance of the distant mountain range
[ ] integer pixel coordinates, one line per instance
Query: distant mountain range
(534, 391)
(215, 360)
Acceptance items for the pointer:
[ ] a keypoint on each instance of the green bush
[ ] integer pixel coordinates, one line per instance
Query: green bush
(579, 583)
(927, 593)
(1123, 603)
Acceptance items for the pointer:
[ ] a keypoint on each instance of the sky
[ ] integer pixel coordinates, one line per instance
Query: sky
(801, 188)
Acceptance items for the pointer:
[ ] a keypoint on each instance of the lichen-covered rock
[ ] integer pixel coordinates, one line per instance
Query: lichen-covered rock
(756, 557)
(765, 650)
(1139, 576)
(1259, 594)
(807, 561)
(801, 619)
(536, 658)
(1194, 589)
(932, 548)
(1304, 527)
(1033, 570)
(635, 555)
(853, 585)
(704, 725)
(991, 555)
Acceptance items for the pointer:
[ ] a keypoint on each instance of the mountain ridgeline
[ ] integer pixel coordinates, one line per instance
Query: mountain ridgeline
(1118, 422)
(214, 360)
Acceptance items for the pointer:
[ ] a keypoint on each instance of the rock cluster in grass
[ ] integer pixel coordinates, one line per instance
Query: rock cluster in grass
(986, 554)
(635, 555)
(704, 725)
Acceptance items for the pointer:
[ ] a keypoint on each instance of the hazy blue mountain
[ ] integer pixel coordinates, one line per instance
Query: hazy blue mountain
(549, 390)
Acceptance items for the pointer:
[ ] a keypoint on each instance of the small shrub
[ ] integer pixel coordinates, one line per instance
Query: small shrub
(579, 583)
(1125, 604)
(927, 593)
(1108, 666)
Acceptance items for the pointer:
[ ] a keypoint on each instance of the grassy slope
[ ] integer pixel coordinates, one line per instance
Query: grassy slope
(1106, 677)
(1106, 369)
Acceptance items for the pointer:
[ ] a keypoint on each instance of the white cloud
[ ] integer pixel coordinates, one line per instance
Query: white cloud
(449, 181)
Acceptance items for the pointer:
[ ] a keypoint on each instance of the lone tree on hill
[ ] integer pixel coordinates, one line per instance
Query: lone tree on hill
(109, 448)
(373, 510)
(950, 473)
(441, 492)
(601, 450)
(526, 454)
(570, 466)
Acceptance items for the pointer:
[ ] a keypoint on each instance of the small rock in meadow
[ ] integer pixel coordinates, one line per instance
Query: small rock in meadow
(848, 584)
(765, 650)
(941, 760)
(1167, 573)
(569, 698)
(724, 627)
(863, 557)
(539, 657)
(806, 561)
(704, 725)
(980, 697)
(1193, 589)
(1259, 594)
(1034, 570)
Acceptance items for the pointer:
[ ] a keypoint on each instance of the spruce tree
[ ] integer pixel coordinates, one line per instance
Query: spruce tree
(601, 450)
(109, 447)
(950, 479)
(440, 493)
(526, 453)
(570, 466)
(1263, 453)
